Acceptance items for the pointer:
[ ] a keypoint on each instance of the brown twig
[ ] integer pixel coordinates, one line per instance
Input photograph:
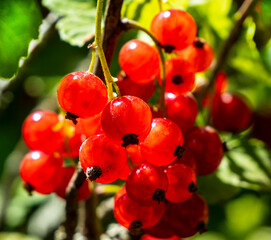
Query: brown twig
(91, 226)
(243, 12)
(111, 32)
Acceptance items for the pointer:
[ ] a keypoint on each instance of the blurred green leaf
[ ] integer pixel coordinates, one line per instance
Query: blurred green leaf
(16, 236)
(19, 24)
(77, 23)
(209, 236)
(263, 233)
(244, 214)
(141, 11)
(214, 190)
(246, 165)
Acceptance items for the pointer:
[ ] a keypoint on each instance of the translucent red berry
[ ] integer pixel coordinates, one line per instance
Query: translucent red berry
(230, 113)
(207, 148)
(181, 182)
(140, 61)
(82, 94)
(200, 54)
(164, 142)
(181, 109)
(174, 29)
(41, 172)
(90, 126)
(187, 218)
(147, 183)
(102, 160)
(42, 131)
(135, 216)
(126, 120)
(128, 87)
(66, 175)
(180, 76)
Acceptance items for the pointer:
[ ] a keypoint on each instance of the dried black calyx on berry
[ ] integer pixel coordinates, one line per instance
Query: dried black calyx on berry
(199, 43)
(93, 173)
(201, 227)
(159, 195)
(177, 79)
(179, 151)
(168, 48)
(192, 187)
(135, 229)
(130, 139)
(29, 188)
(71, 117)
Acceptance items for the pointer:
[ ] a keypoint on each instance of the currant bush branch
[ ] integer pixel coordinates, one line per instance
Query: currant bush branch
(130, 24)
(243, 12)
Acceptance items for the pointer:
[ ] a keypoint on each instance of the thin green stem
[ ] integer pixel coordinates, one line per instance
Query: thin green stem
(129, 24)
(93, 53)
(98, 41)
(160, 2)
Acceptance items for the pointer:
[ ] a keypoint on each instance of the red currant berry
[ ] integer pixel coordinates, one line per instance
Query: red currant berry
(128, 87)
(90, 126)
(163, 144)
(230, 113)
(181, 182)
(135, 216)
(187, 218)
(126, 120)
(42, 131)
(134, 154)
(146, 183)
(180, 76)
(221, 82)
(150, 237)
(41, 172)
(174, 29)
(200, 54)
(187, 159)
(182, 109)
(66, 175)
(140, 61)
(101, 159)
(207, 148)
(82, 94)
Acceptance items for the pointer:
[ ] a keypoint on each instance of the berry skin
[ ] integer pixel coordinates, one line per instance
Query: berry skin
(126, 120)
(150, 237)
(181, 109)
(200, 54)
(180, 76)
(207, 148)
(128, 87)
(163, 144)
(174, 29)
(187, 218)
(90, 126)
(41, 172)
(230, 113)
(140, 61)
(66, 175)
(101, 159)
(133, 215)
(42, 131)
(181, 182)
(146, 183)
(82, 94)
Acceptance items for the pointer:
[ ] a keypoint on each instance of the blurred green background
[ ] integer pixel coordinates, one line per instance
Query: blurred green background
(238, 194)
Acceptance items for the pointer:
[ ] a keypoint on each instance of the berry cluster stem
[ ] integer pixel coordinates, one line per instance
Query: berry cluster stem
(130, 24)
(98, 44)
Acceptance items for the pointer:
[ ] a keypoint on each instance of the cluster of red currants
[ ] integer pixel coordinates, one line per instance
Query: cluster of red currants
(125, 139)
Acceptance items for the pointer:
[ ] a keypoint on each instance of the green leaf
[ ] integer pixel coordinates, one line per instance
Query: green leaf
(214, 190)
(77, 23)
(19, 24)
(141, 11)
(16, 236)
(246, 165)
